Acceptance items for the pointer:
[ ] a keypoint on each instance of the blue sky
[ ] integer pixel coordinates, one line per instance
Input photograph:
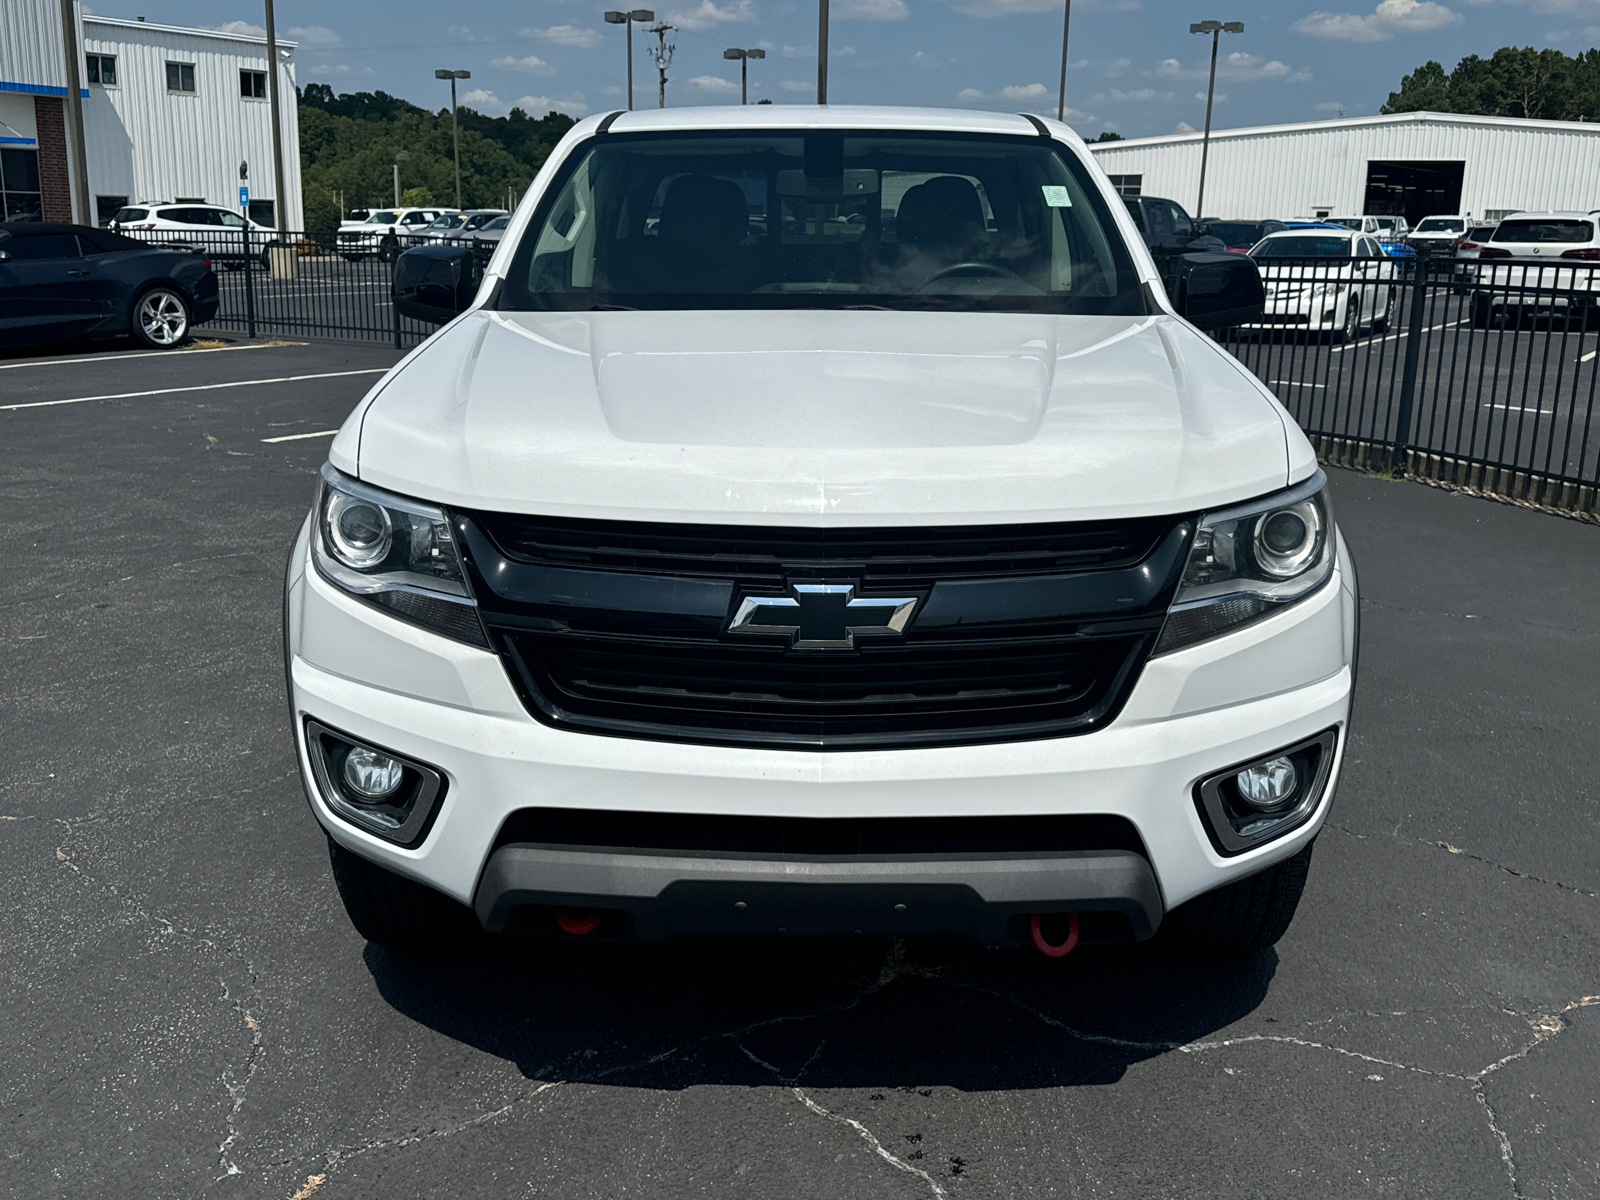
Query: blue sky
(1135, 68)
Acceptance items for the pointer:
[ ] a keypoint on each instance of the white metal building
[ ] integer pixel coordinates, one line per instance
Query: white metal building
(1408, 163)
(168, 114)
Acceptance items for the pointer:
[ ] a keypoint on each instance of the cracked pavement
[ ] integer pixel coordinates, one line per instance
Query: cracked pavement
(189, 1012)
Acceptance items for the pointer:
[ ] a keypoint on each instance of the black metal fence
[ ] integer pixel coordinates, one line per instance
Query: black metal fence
(1481, 373)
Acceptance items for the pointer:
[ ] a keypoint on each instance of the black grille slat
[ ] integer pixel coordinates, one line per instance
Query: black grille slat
(1025, 631)
(816, 837)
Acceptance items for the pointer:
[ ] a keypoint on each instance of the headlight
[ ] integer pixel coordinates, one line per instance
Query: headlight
(395, 553)
(1252, 560)
(1328, 289)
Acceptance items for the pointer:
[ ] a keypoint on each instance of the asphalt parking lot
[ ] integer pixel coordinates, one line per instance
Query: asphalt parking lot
(189, 1011)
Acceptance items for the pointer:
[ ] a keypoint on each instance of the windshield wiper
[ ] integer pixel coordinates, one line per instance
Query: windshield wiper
(612, 308)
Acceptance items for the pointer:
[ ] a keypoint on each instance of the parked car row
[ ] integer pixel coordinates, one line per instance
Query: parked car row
(386, 232)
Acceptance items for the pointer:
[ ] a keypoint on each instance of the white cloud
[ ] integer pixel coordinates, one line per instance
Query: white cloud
(313, 37)
(481, 98)
(714, 83)
(564, 35)
(533, 65)
(1024, 92)
(923, 59)
(869, 10)
(798, 85)
(1389, 18)
(1004, 8)
(1218, 98)
(1333, 106)
(241, 27)
(1036, 96)
(1136, 96)
(1184, 127)
(1117, 66)
(708, 14)
(1239, 66)
(538, 106)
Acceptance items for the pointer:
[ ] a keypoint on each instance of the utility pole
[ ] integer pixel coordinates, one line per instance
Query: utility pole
(663, 56)
(628, 19)
(744, 57)
(1061, 96)
(280, 202)
(822, 51)
(455, 124)
(1216, 29)
(74, 111)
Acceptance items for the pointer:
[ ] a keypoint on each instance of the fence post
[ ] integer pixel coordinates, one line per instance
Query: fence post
(249, 284)
(1408, 376)
(394, 303)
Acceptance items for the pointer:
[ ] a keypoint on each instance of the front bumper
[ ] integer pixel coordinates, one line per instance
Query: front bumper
(1192, 713)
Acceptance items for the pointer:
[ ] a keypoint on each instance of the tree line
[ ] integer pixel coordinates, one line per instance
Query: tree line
(348, 145)
(1512, 82)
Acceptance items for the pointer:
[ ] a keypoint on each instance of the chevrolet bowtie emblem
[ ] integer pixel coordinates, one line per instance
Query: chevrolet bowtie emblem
(823, 616)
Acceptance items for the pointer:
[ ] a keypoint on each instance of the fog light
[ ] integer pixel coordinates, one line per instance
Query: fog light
(376, 776)
(1265, 785)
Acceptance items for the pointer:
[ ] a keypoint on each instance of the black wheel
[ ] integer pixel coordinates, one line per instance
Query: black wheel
(400, 913)
(1242, 917)
(1381, 324)
(1351, 329)
(390, 249)
(354, 257)
(1481, 312)
(160, 318)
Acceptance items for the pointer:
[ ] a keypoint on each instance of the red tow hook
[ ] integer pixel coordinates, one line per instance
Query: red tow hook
(1065, 948)
(587, 920)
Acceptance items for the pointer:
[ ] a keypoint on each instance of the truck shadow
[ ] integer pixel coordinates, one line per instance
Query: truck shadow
(869, 1012)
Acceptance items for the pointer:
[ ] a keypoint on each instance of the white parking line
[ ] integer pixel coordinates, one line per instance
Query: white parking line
(1296, 383)
(1545, 412)
(295, 437)
(204, 387)
(56, 362)
(1589, 356)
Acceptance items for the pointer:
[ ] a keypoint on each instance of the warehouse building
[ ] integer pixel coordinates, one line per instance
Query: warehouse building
(168, 114)
(1411, 164)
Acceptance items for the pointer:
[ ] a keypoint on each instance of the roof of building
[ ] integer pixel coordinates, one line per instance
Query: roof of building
(190, 31)
(1339, 124)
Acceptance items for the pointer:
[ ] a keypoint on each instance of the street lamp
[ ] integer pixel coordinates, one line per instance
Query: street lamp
(1215, 29)
(744, 57)
(822, 51)
(398, 159)
(628, 18)
(455, 127)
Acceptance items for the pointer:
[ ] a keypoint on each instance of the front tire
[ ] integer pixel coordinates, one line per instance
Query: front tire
(1351, 329)
(1241, 917)
(402, 914)
(389, 250)
(160, 318)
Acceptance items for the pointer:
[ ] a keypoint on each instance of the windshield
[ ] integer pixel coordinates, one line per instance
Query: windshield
(381, 218)
(1547, 229)
(1235, 233)
(498, 223)
(448, 221)
(822, 219)
(1303, 247)
(1440, 225)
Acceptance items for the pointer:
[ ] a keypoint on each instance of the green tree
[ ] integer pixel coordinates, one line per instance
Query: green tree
(1512, 82)
(416, 197)
(1107, 136)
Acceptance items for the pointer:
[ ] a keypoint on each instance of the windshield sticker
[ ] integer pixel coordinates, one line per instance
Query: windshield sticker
(1055, 195)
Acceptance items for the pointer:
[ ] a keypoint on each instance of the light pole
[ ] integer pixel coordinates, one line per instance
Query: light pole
(744, 57)
(1216, 29)
(822, 51)
(280, 202)
(628, 18)
(398, 159)
(1061, 97)
(455, 127)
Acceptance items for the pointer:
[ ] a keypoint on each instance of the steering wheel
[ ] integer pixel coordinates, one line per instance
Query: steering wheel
(986, 270)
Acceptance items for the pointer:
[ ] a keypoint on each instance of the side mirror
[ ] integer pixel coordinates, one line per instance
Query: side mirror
(1219, 291)
(436, 283)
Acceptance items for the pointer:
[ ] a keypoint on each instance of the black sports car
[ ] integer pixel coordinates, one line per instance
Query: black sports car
(59, 282)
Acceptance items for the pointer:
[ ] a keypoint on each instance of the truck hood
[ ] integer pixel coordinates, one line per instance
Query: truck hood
(813, 417)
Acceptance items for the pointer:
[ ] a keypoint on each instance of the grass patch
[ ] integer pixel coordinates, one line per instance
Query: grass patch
(205, 344)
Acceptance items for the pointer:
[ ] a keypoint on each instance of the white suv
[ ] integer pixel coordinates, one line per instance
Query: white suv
(821, 521)
(208, 229)
(1569, 285)
(386, 232)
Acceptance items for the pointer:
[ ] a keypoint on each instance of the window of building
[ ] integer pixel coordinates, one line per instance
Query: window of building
(101, 69)
(19, 185)
(107, 207)
(1127, 185)
(253, 85)
(180, 77)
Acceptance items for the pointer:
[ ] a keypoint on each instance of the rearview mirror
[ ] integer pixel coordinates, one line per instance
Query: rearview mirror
(1218, 291)
(436, 283)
